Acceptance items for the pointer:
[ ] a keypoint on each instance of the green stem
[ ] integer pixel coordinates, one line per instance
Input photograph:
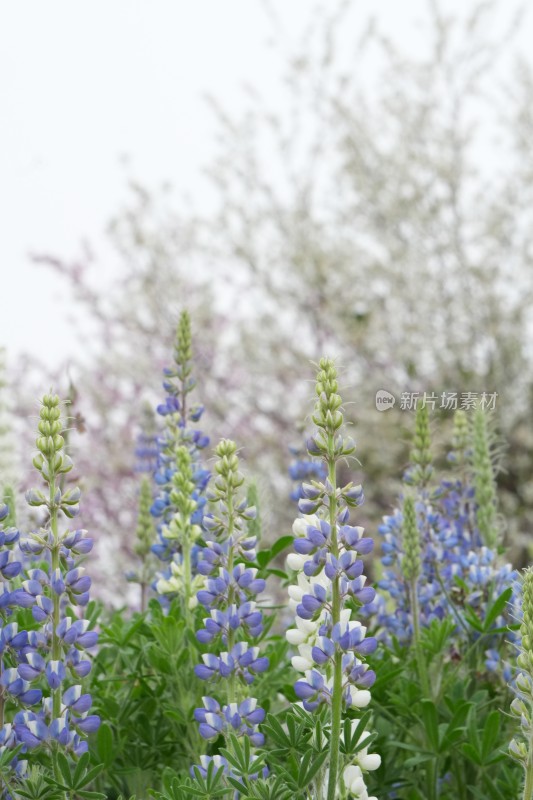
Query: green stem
(187, 581)
(144, 596)
(56, 644)
(231, 632)
(336, 702)
(420, 661)
(2, 696)
(528, 784)
(423, 678)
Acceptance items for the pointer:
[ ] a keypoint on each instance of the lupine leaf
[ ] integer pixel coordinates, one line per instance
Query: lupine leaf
(496, 608)
(310, 765)
(104, 744)
(63, 768)
(349, 741)
(490, 734)
(430, 720)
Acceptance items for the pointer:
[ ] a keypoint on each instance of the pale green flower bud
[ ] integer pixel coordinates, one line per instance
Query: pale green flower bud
(411, 563)
(484, 481)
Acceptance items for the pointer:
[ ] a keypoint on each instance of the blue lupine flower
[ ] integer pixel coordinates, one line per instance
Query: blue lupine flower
(331, 646)
(304, 469)
(52, 653)
(456, 566)
(180, 476)
(228, 596)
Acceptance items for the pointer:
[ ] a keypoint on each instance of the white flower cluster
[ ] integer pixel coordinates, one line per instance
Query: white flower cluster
(306, 634)
(174, 583)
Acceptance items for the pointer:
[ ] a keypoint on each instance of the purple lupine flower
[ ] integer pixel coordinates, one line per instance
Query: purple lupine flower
(54, 650)
(180, 476)
(229, 597)
(331, 646)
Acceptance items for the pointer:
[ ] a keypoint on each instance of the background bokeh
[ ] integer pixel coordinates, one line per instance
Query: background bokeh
(344, 178)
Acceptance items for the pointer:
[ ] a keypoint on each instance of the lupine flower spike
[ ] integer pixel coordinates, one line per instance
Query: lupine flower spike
(180, 475)
(54, 655)
(456, 566)
(521, 748)
(484, 481)
(234, 618)
(332, 645)
(145, 536)
(13, 640)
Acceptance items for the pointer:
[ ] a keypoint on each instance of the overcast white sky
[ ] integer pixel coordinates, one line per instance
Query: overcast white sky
(84, 84)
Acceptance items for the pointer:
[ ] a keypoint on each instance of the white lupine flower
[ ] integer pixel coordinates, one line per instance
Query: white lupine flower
(175, 584)
(360, 697)
(354, 781)
(345, 616)
(295, 561)
(305, 586)
(304, 661)
(300, 525)
(369, 761)
(305, 629)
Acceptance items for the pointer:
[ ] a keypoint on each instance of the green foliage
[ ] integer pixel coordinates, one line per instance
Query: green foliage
(145, 691)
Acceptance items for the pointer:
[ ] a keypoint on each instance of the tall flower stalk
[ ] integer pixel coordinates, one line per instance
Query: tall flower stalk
(484, 480)
(521, 748)
(234, 619)
(54, 655)
(331, 644)
(180, 476)
(411, 568)
(145, 535)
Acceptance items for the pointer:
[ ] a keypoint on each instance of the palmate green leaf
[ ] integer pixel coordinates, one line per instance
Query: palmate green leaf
(496, 608)
(473, 620)
(264, 557)
(507, 784)
(62, 770)
(472, 753)
(277, 572)
(349, 742)
(211, 785)
(310, 765)
(7, 756)
(281, 544)
(295, 738)
(104, 745)
(415, 761)
(456, 727)
(485, 750)
(490, 736)
(75, 781)
(239, 755)
(274, 731)
(269, 789)
(431, 724)
(435, 637)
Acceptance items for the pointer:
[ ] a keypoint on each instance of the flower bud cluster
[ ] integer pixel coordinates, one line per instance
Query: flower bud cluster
(304, 469)
(180, 476)
(13, 640)
(455, 564)
(229, 597)
(484, 481)
(46, 665)
(353, 774)
(521, 747)
(145, 535)
(146, 449)
(330, 581)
